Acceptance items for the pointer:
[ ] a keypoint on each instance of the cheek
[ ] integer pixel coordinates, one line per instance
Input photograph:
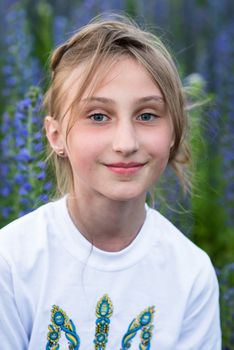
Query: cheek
(160, 146)
(83, 151)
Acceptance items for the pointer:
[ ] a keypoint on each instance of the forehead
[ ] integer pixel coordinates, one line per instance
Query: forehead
(127, 77)
(118, 75)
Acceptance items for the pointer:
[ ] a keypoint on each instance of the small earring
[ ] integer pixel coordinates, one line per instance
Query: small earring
(61, 153)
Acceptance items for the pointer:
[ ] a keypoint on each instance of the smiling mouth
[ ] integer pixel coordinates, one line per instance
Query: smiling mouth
(125, 168)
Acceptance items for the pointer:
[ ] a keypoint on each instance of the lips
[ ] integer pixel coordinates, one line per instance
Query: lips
(125, 165)
(125, 168)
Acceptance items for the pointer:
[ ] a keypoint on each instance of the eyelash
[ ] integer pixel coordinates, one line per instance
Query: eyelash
(92, 117)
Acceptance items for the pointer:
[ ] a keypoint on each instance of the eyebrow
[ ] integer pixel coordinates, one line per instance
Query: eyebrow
(153, 98)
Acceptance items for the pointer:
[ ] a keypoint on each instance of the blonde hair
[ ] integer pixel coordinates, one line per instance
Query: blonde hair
(103, 41)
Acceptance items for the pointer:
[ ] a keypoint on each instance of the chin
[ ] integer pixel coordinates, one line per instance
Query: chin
(126, 195)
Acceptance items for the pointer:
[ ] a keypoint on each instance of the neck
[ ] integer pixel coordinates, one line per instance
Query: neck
(109, 225)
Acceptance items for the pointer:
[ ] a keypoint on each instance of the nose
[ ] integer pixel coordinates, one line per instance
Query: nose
(125, 139)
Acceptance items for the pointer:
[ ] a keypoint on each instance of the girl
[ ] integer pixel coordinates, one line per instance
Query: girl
(99, 269)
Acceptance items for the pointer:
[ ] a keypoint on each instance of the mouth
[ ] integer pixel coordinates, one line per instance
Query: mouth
(125, 168)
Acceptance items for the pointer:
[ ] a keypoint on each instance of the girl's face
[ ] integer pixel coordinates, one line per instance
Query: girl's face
(120, 144)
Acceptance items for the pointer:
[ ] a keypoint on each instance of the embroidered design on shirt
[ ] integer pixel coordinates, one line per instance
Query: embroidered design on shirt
(104, 310)
(144, 323)
(60, 322)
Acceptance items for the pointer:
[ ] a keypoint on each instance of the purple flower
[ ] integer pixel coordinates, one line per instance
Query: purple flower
(43, 198)
(6, 211)
(41, 176)
(19, 178)
(25, 189)
(19, 69)
(24, 171)
(48, 186)
(4, 170)
(5, 191)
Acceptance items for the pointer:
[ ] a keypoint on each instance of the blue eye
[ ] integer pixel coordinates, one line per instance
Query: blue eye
(98, 117)
(147, 117)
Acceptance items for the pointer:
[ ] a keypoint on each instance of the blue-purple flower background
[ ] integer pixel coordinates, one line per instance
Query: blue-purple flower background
(200, 33)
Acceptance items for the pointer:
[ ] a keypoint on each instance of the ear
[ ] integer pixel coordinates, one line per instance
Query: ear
(172, 143)
(54, 134)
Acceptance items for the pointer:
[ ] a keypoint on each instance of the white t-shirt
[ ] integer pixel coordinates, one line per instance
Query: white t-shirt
(160, 292)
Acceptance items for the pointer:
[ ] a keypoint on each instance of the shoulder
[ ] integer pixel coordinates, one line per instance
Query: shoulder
(186, 264)
(24, 234)
(176, 247)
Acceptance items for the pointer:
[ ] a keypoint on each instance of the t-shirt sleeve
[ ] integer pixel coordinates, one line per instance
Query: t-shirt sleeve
(201, 325)
(12, 332)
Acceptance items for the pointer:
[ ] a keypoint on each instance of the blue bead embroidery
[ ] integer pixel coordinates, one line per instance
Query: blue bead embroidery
(104, 310)
(144, 323)
(60, 322)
